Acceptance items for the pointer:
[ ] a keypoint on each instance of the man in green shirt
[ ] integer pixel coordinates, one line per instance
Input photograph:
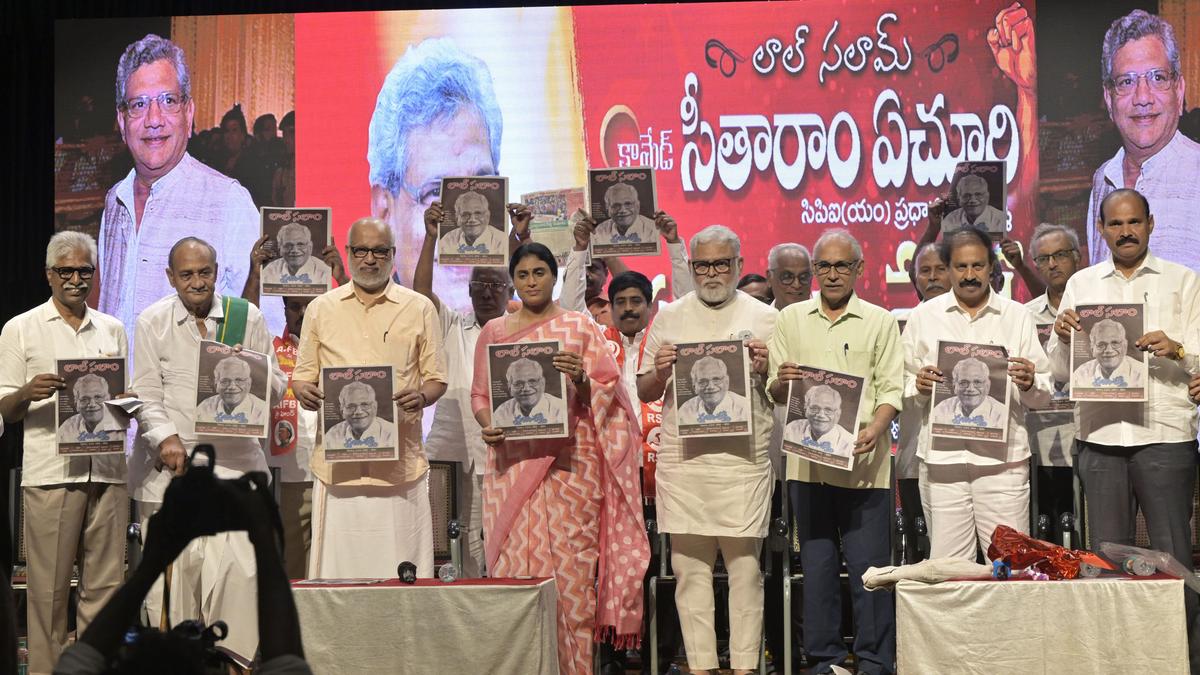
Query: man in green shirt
(839, 331)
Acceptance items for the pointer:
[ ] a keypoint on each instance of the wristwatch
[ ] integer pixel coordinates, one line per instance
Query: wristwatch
(1179, 353)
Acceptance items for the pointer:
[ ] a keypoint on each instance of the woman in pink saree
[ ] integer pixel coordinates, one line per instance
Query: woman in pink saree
(566, 508)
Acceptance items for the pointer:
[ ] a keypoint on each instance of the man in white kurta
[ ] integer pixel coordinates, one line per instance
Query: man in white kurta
(974, 485)
(214, 577)
(713, 493)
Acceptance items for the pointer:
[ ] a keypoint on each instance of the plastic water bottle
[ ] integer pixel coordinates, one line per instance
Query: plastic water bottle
(1138, 566)
(448, 573)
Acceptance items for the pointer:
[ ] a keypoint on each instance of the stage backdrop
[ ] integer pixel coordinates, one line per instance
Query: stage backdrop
(776, 119)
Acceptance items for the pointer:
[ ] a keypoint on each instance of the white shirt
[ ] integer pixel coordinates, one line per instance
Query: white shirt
(74, 426)
(1051, 432)
(29, 345)
(164, 377)
(575, 278)
(1091, 375)
(380, 430)
(190, 200)
(1169, 182)
(990, 413)
(734, 406)
(549, 407)
(1171, 293)
(991, 220)
(642, 228)
(911, 420)
(840, 442)
(1000, 322)
(254, 408)
(314, 268)
(455, 436)
(491, 238)
(294, 467)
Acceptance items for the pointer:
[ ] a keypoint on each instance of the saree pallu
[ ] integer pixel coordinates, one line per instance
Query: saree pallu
(570, 508)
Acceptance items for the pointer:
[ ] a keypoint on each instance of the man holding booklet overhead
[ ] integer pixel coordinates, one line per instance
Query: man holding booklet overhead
(1139, 453)
(838, 331)
(368, 516)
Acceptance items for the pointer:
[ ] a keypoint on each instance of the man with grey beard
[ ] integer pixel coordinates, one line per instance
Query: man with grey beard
(714, 493)
(366, 516)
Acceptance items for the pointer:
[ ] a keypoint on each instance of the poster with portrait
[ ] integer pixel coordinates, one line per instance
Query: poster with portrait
(232, 391)
(623, 204)
(1061, 408)
(528, 394)
(555, 213)
(474, 232)
(822, 416)
(712, 389)
(358, 417)
(85, 424)
(1105, 363)
(971, 403)
(295, 239)
(978, 198)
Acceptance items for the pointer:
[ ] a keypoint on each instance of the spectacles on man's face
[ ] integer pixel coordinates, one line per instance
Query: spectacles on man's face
(1059, 257)
(842, 267)
(168, 101)
(381, 253)
(788, 278)
(65, 273)
(706, 267)
(1158, 79)
(487, 287)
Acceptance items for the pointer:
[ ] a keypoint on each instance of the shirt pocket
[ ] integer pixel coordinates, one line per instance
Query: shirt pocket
(1165, 314)
(858, 362)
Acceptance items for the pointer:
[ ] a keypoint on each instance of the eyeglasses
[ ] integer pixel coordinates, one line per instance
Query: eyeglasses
(65, 273)
(704, 267)
(788, 278)
(488, 286)
(169, 102)
(381, 253)
(842, 267)
(1158, 79)
(1059, 256)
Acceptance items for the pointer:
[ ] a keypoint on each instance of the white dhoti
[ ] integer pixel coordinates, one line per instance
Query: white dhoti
(214, 579)
(365, 532)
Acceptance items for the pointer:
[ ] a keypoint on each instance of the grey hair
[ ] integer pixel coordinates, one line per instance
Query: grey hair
(346, 391)
(610, 192)
(293, 227)
(971, 178)
(716, 234)
(524, 363)
(230, 362)
(788, 248)
(432, 81)
(844, 235)
(1107, 324)
(66, 242)
(89, 378)
(1050, 228)
(146, 51)
(822, 389)
(1134, 26)
(473, 195)
(973, 362)
(705, 361)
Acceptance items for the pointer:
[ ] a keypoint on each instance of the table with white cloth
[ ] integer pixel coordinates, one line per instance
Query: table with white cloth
(1101, 625)
(468, 626)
